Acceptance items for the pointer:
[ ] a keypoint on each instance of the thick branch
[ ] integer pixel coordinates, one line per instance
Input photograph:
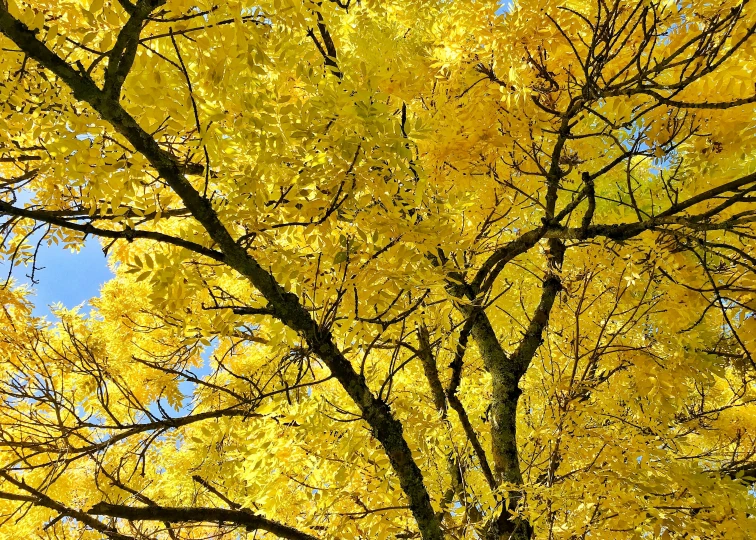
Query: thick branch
(459, 408)
(533, 335)
(124, 51)
(701, 105)
(428, 360)
(38, 498)
(491, 267)
(242, 518)
(53, 218)
(327, 49)
(440, 396)
(126, 431)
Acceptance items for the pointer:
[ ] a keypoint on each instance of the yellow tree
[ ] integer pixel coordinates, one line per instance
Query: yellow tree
(420, 269)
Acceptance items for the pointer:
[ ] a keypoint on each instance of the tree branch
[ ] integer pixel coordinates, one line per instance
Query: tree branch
(122, 56)
(40, 499)
(53, 218)
(243, 518)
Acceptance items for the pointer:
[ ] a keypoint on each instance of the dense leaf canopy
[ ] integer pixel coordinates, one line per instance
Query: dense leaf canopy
(419, 269)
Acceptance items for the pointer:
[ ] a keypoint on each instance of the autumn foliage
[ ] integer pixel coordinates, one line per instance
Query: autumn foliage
(419, 269)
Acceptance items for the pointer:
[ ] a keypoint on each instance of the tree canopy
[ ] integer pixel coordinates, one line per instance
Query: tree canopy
(420, 269)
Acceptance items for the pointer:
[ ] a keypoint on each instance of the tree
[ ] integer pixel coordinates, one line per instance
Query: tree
(417, 269)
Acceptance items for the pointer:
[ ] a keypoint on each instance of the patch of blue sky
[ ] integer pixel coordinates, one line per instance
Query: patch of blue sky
(72, 279)
(62, 276)
(505, 6)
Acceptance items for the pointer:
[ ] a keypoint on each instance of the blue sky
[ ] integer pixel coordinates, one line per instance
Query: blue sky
(72, 279)
(68, 278)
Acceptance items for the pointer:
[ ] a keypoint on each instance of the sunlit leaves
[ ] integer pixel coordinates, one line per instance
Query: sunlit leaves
(374, 182)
